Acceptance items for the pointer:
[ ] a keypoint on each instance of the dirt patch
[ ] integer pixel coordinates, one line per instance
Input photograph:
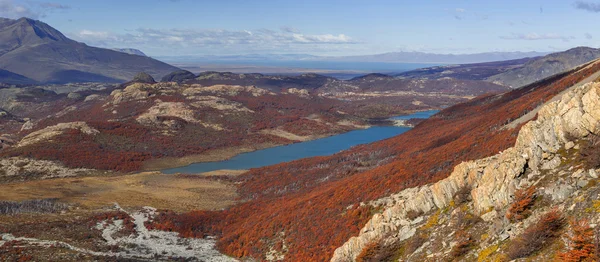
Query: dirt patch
(287, 135)
(223, 172)
(144, 189)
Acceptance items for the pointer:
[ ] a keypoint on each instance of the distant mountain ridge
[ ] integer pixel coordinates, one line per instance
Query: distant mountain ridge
(392, 57)
(546, 66)
(39, 52)
(513, 73)
(332, 86)
(421, 57)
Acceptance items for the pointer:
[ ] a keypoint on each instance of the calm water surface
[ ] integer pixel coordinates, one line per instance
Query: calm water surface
(320, 147)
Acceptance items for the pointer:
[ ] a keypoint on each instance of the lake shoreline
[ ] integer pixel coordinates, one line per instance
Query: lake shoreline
(226, 154)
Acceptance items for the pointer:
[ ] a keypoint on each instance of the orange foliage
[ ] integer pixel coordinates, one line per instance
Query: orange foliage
(519, 209)
(580, 243)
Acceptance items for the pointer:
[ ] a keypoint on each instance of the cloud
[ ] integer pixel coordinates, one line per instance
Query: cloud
(587, 6)
(9, 9)
(215, 40)
(535, 36)
(588, 36)
(289, 29)
(35, 10)
(459, 13)
(49, 5)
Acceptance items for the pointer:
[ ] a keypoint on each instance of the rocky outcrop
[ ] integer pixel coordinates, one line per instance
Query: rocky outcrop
(219, 103)
(143, 78)
(178, 76)
(55, 130)
(492, 180)
(230, 90)
(39, 169)
(298, 92)
(164, 111)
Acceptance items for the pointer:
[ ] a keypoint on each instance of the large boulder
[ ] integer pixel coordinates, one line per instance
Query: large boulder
(143, 77)
(178, 76)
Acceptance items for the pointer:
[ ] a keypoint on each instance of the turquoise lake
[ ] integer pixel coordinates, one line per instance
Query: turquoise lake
(319, 147)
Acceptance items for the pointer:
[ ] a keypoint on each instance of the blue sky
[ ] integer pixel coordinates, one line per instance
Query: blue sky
(320, 27)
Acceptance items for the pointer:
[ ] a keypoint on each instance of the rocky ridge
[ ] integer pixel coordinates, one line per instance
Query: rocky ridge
(492, 181)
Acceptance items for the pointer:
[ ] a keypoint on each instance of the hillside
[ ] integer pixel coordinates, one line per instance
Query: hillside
(513, 73)
(480, 71)
(503, 176)
(37, 51)
(7, 77)
(370, 94)
(323, 200)
(546, 66)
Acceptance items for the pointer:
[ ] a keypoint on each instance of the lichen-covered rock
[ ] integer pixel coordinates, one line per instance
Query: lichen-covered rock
(156, 114)
(19, 167)
(55, 130)
(74, 96)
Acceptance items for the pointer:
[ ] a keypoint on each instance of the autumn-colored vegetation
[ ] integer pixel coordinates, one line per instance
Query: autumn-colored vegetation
(313, 201)
(537, 236)
(520, 208)
(464, 243)
(581, 243)
(123, 144)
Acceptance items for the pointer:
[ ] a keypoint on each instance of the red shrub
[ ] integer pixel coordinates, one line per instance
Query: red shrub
(519, 209)
(537, 236)
(580, 243)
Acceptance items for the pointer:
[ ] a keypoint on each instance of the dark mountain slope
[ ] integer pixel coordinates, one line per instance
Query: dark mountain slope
(273, 83)
(546, 66)
(36, 50)
(7, 77)
(480, 71)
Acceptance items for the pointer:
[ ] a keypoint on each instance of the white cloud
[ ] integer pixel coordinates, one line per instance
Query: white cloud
(35, 10)
(286, 39)
(459, 13)
(536, 36)
(9, 9)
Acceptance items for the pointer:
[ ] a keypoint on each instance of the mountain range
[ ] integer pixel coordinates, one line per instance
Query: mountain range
(391, 57)
(513, 73)
(37, 51)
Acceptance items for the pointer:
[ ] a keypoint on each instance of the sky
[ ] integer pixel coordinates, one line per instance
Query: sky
(319, 27)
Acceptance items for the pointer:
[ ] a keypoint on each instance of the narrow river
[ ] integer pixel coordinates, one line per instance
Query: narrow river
(319, 147)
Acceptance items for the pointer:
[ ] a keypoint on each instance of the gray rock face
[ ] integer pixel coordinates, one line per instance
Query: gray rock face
(494, 179)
